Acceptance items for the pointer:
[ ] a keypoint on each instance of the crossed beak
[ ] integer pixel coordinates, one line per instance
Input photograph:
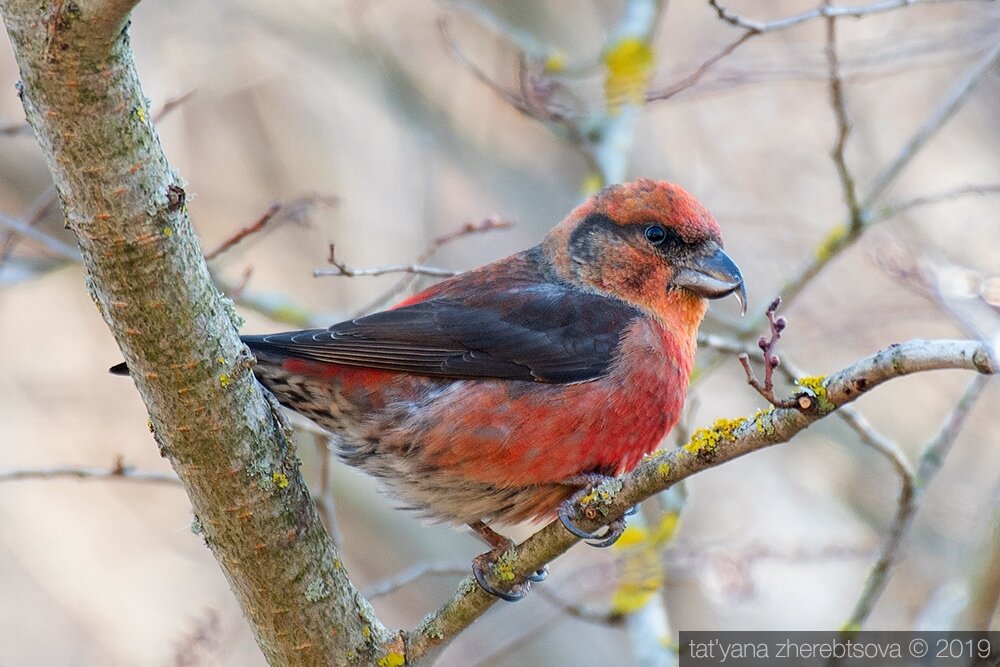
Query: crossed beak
(712, 275)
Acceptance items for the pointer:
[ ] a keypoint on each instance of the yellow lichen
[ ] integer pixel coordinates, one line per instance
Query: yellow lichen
(280, 480)
(504, 567)
(629, 64)
(168, 232)
(140, 113)
(224, 380)
(556, 61)
(705, 440)
(642, 573)
(762, 421)
(392, 660)
(663, 469)
(816, 385)
(592, 183)
(632, 536)
(831, 243)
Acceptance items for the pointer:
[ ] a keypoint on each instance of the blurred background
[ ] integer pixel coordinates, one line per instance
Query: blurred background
(376, 129)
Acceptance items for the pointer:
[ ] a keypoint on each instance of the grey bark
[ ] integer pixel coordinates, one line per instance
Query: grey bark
(147, 276)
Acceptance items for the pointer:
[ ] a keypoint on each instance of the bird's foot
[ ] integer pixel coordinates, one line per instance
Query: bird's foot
(484, 563)
(596, 491)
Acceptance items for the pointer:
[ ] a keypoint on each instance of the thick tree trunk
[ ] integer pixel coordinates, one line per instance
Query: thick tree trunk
(179, 335)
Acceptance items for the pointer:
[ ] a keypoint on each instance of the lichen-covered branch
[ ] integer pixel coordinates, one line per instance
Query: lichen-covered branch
(148, 278)
(709, 447)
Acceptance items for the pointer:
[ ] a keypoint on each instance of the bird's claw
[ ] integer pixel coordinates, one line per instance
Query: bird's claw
(567, 516)
(539, 575)
(516, 592)
(601, 540)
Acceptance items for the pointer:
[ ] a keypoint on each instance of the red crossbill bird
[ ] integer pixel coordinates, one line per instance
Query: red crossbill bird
(495, 395)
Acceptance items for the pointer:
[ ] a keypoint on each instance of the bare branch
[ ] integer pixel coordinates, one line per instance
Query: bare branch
(293, 210)
(910, 496)
(324, 497)
(52, 244)
(607, 617)
(729, 439)
(891, 210)
(823, 11)
(342, 269)
(408, 576)
(118, 471)
(952, 103)
(417, 268)
(701, 71)
(843, 123)
(881, 444)
(985, 584)
(511, 98)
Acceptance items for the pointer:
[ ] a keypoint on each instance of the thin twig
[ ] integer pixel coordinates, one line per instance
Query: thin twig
(985, 583)
(839, 105)
(342, 269)
(121, 472)
(417, 267)
(52, 244)
(700, 72)
(293, 210)
(845, 235)
(35, 213)
(823, 11)
(324, 497)
(896, 208)
(605, 617)
(934, 122)
(410, 575)
(511, 98)
(401, 285)
(881, 444)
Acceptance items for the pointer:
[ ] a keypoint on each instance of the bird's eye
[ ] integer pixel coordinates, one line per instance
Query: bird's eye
(655, 234)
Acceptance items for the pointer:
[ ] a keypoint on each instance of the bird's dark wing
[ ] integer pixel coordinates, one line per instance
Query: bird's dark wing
(540, 332)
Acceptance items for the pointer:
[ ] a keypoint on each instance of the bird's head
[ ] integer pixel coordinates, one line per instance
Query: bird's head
(649, 243)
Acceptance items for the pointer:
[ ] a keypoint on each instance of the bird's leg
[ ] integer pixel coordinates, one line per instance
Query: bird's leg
(594, 491)
(498, 546)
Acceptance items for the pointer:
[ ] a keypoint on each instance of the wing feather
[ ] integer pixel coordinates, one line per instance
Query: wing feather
(533, 332)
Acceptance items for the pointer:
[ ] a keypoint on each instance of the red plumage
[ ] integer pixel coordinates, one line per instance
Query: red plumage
(487, 396)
